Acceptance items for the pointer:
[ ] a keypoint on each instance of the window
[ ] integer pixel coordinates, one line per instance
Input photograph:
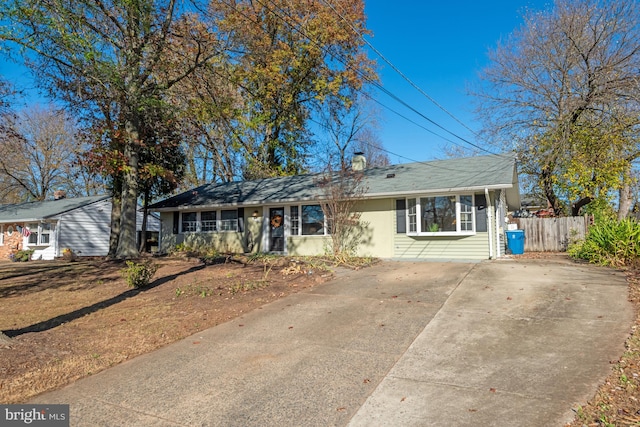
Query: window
(466, 213)
(1, 235)
(452, 214)
(229, 220)
(45, 233)
(39, 234)
(208, 221)
(33, 233)
(438, 214)
(211, 221)
(295, 221)
(189, 222)
(308, 220)
(312, 220)
(412, 213)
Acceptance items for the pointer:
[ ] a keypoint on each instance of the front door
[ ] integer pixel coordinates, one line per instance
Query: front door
(276, 225)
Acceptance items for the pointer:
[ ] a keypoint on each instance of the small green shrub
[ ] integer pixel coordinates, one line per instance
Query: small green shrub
(138, 275)
(22, 256)
(610, 242)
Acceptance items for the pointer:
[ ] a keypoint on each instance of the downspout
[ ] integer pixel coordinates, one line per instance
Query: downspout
(499, 216)
(56, 235)
(160, 234)
(489, 214)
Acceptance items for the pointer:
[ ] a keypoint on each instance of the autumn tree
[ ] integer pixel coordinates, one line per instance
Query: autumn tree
(109, 55)
(40, 156)
(208, 104)
(286, 59)
(163, 160)
(563, 92)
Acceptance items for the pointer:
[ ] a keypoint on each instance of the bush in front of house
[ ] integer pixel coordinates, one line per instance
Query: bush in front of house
(68, 254)
(138, 275)
(21, 256)
(610, 242)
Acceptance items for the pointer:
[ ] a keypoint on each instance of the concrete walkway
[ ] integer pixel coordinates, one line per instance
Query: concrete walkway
(505, 343)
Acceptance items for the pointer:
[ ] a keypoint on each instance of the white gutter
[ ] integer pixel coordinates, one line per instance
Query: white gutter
(400, 194)
(489, 213)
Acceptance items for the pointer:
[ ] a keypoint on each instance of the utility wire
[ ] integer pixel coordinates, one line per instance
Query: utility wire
(397, 70)
(427, 163)
(343, 61)
(374, 83)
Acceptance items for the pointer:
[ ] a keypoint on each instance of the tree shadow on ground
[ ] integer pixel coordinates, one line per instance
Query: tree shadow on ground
(81, 312)
(34, 276)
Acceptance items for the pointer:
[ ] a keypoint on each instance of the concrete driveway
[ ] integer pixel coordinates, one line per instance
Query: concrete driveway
(505, 343)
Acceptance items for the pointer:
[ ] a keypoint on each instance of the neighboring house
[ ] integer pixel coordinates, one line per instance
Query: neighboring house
(81, 224)
(447, 209)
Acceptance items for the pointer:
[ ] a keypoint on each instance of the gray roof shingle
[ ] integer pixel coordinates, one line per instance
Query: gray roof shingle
(35, 211)
(470, 173)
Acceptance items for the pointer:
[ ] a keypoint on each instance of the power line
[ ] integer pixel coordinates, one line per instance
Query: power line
(427, 163)
(397, 70)
(374, 83)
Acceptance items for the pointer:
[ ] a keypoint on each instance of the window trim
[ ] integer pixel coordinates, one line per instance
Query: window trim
(417, 216)
(1, 234)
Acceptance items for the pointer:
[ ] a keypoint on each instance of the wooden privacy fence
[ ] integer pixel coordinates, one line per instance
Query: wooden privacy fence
(552, 234)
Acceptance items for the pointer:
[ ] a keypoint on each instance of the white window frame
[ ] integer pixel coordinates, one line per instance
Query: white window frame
(38, 230)
(228, 225)
(415, 228)
(208, 225)
(2, 235)
(194, 226)
(294, 220)
(292, 227)
(221, 225)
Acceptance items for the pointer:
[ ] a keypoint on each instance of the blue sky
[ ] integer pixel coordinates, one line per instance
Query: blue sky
(440, 46)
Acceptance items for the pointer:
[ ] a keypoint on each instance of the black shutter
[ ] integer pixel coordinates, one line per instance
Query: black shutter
(176, 222)
(241, 219)
(401, 217)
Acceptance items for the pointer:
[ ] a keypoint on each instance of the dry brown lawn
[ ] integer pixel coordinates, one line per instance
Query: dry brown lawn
(67, 320)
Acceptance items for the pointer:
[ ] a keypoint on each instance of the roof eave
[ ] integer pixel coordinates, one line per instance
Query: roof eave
(438, 191)
(380, 195)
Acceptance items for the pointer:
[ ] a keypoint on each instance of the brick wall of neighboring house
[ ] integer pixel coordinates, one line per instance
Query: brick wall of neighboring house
(12, 243)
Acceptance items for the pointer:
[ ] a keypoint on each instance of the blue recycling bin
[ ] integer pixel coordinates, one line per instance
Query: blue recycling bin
(515, 241)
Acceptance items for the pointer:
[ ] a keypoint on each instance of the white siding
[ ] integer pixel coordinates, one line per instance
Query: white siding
(86, 230)
(153, 223)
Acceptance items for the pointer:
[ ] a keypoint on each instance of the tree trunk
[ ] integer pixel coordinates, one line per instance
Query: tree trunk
(143, 233)
(575, 208)
(127, 247)
(546, 177)
(116, 212)
(626, 197)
